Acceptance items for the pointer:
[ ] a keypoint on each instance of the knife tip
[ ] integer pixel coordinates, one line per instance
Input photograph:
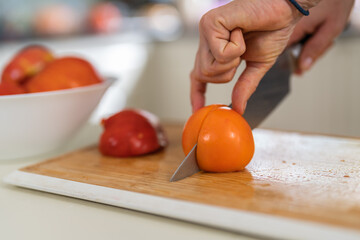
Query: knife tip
(173, 178)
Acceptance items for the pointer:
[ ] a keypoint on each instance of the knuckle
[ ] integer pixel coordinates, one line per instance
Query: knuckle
(205, 72)
(198, 77)
(195, 77)
(212, 70)
(203, 80)
(205, 20)
(202, 23)
(237, 62)
(227, 78)
(220, 57)
(242, 49)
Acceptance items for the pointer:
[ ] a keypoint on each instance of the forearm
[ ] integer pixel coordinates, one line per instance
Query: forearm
(261, 15)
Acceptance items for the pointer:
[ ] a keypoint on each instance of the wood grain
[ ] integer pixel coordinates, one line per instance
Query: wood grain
(307, 177)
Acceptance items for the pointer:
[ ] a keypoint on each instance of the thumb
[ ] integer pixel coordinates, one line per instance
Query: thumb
(247, 84)
(315, 46)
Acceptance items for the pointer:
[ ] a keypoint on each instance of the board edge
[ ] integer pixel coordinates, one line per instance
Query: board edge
(245, 222)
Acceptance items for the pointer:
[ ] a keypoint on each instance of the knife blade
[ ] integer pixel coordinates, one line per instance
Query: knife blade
(273, 88)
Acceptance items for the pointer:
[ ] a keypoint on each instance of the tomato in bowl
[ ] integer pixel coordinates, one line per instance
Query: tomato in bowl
(44, 99)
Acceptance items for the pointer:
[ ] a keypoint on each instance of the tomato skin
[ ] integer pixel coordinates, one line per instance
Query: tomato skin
(26, 63)
(225, 140)
(192, 127)
(63, 73)
(10, 88)
(130, 133)
(35, 69)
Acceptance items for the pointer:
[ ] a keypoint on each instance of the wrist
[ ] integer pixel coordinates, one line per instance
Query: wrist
(303, 9)
(307, 4)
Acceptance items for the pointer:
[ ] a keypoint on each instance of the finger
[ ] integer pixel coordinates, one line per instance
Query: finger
(210, 67)
(247, 84)
(307, 63)
(316, 46)
(197, 94)
(297, 35)
(225, 49)
(197, 88)
(216, 73)
(221, 78)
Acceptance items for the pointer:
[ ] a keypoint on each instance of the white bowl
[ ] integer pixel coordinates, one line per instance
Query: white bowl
(37, 123)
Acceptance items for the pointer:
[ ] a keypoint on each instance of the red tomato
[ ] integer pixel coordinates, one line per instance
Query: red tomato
(10, 88)
(26, 63)
(224, 138)
(131, 133)
(63, 73)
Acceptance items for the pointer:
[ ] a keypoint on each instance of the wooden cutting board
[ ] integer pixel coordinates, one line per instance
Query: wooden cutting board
(297, 185)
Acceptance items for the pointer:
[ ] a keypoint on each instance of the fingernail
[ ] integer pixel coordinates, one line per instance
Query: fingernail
(306, 65)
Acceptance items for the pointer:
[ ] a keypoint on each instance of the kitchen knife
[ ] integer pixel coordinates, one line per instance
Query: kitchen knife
(270, 92)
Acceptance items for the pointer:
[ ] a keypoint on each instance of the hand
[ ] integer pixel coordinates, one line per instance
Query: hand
(325, 22)
(254, 31)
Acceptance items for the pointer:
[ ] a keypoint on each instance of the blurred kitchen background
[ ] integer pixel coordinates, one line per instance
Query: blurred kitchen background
(149, 46)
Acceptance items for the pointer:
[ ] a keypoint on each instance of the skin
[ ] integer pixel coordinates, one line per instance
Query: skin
(326, 21)
(257, 32)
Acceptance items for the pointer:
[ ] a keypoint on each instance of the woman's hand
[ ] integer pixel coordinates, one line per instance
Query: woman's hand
(256, 31)
(325, 22)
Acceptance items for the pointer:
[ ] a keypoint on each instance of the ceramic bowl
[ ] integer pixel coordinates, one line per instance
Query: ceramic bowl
(37, 123)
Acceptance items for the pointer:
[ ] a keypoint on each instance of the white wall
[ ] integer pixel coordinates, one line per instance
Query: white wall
(325, 100)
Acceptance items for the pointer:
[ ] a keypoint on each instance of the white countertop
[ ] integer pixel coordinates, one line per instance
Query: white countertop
(29, 214)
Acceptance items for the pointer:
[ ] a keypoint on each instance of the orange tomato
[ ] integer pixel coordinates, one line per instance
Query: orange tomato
(192, 127)
(224, 138)
(63, 73)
